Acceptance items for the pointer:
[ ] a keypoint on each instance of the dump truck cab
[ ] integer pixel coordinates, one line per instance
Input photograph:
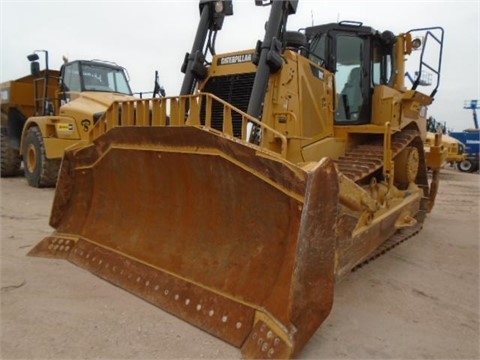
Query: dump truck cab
(94, 76)
(85, 89)
(451, 151)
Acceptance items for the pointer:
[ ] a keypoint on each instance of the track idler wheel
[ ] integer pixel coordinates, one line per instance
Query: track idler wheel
(406, 166)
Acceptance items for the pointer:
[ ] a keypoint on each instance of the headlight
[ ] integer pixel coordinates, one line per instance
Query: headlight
(416, 43)
(97, 116)
(219, 6)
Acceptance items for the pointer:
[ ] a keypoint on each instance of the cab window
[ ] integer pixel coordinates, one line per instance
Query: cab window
(349, 77)
(71, 78)
(382, 65)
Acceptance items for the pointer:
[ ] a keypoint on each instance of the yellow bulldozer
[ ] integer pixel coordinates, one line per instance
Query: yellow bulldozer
(50, 110)
(238, 204)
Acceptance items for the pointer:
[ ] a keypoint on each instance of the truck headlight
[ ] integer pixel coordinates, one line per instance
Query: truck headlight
(219, 7)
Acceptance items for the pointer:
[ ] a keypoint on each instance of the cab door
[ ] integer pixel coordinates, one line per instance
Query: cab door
(352, 76)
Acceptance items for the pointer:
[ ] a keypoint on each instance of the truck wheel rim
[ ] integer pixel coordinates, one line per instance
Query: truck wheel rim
(31, 158)
(465, 165)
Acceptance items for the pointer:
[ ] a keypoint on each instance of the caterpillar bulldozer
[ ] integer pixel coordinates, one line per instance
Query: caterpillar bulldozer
(238, 204)
(50, 110)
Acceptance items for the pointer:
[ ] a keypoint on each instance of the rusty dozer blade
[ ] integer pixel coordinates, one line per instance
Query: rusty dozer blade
(220, 233)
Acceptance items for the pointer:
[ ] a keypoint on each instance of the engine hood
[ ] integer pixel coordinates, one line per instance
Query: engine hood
(92, 102)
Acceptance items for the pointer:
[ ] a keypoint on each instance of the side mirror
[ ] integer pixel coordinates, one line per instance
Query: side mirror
(32, 57)
(35, 68)
(34, 64)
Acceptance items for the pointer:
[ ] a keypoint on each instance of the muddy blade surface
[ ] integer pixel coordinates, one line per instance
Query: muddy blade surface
(225, 237)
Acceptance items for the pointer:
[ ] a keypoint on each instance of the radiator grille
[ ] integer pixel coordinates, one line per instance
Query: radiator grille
(234, 89)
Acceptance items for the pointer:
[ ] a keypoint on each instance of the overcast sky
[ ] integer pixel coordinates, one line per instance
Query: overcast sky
(144, 36)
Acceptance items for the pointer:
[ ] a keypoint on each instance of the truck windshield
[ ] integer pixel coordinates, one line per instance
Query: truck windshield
(98, 77)
(92, 76)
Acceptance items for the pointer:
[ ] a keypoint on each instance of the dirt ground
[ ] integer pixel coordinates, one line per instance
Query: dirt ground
(418, 301)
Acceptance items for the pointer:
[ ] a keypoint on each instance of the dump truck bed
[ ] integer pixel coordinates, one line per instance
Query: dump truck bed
(20, 93)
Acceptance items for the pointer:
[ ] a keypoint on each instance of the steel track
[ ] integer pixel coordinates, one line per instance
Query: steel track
(362, 161)
(394, 240)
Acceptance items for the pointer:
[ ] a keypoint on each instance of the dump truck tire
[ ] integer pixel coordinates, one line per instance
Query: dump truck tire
(466, 166)
(39, 171)
(10, 157)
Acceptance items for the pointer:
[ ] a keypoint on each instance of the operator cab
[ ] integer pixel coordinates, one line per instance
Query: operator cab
(81, 75)
(360, 57)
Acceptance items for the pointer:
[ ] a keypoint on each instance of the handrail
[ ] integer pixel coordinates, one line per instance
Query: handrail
(41, 104)
(388, 165)
(429, 33)
(185, 110)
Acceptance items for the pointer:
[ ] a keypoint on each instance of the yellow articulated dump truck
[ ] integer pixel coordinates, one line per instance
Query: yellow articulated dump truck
(455, 149)
(451, 151)
(238, 204)
(48, 111)
(18, 104)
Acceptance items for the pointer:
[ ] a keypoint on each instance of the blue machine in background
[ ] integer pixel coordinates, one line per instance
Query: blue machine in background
(471, 139)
